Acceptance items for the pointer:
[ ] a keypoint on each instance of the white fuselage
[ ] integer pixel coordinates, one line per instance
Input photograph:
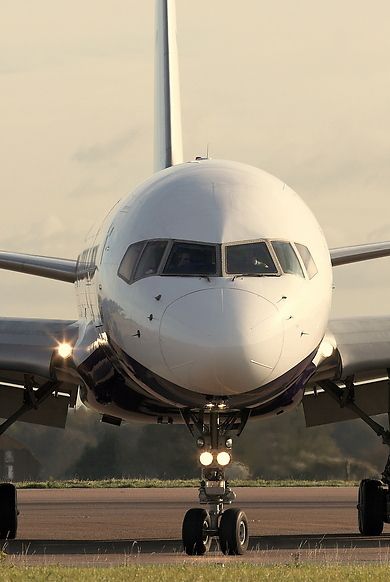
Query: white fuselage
(221, 335)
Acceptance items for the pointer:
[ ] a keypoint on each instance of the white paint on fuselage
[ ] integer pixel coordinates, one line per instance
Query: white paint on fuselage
(224, 335)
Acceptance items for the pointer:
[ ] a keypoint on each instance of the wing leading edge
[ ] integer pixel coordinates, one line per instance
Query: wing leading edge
(49, 267)
(354, 254)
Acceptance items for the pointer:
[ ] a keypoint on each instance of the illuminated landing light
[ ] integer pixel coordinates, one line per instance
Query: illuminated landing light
(64, 350)
(206, 459)
(223, 458)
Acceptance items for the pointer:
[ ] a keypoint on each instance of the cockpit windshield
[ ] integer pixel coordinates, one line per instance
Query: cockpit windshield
(164, 257)
(287, 258)
(250, 259)
(192, 259)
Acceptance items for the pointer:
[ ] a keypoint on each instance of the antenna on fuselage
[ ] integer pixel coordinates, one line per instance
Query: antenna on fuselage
(207, 157)
(168, 145)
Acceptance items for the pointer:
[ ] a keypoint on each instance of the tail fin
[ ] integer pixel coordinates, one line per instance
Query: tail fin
(168, 137)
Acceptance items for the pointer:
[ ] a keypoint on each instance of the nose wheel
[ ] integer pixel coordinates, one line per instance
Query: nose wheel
(233, 532)
(200, 525)
(196, 531)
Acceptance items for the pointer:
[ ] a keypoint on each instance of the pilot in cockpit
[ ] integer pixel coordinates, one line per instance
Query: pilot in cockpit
(183, 264)
(255, 260)
(259, 266)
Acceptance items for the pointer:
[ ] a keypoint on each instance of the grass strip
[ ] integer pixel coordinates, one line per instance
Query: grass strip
(200, 573)
(175, 483)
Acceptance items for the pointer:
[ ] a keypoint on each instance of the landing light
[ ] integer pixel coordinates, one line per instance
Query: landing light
(326, 349)
(64, 350)
(223, 458)
(206, 459)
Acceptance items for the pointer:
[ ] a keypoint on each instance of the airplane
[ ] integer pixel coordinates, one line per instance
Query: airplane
(204, 299)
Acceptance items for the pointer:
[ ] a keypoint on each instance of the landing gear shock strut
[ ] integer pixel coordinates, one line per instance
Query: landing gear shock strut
(213, 429)
(374, 494)
(33, 398)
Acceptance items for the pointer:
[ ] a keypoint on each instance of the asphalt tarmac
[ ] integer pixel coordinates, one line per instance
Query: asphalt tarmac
(122, 526)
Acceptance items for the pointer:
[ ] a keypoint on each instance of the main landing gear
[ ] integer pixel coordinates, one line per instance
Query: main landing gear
(212, 429)
(374, 499)
(32, 399)
(8, 511)
(374, 494)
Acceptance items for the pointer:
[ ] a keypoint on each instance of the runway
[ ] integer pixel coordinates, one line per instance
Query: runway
(121, 526)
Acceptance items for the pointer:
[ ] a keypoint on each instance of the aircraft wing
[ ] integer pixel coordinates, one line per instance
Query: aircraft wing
(29, 361)
(49, 267)
(361, 354)
(354, 254)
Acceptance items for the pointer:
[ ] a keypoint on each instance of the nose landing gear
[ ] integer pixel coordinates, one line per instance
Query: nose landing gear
(233, 532)
(229, 526)
(200, 526)
(196, 531)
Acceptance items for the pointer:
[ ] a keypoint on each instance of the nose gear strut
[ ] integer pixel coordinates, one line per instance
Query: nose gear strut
(213, 429)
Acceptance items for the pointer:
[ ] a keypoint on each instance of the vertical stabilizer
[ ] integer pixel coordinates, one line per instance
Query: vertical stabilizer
(168, 147)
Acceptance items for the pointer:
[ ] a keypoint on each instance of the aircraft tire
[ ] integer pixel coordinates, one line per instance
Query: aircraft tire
(371, 507)
(8, 511)
(233, 532)
(196, 540)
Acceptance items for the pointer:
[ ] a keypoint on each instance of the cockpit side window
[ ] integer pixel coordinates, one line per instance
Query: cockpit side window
(192, 259)
(150, 259)
(249, 259)
(307, 259)
(130, 260)
(287, 258)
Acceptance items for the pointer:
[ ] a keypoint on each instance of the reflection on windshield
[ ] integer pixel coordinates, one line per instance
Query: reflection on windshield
(308, 260)
(150, 259)
(192, 259)
(249, 259)
(129, 261)
(287, 258)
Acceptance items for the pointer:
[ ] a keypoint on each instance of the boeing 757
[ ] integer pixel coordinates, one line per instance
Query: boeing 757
(204, 298)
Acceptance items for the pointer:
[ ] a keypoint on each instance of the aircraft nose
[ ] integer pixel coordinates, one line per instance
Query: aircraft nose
(221, 341)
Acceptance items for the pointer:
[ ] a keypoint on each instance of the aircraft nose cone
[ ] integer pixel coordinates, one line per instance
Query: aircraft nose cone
(221, 341)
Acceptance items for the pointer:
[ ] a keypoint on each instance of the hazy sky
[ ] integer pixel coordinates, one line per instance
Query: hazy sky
(300, 89)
